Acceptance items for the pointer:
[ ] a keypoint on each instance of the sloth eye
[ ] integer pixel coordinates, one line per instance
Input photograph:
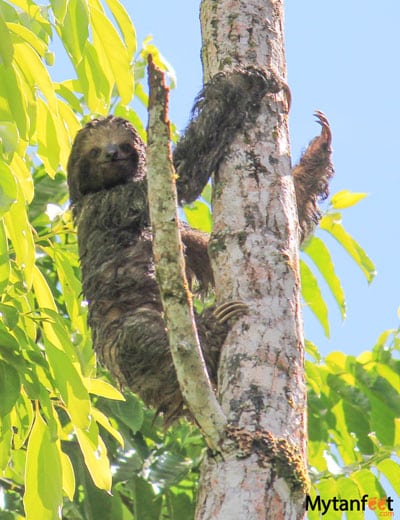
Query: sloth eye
(94, 152)
(126, 148)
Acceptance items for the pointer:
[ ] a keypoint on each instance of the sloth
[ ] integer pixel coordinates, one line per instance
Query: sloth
(108, 194)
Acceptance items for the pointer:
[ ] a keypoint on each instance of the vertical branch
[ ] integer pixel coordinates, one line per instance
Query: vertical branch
(170, 267)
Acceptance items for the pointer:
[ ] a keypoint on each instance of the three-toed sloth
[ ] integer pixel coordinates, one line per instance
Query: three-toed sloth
(108, 193)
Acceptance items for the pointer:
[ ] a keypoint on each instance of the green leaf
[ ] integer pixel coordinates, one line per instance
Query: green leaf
(8, 188)
(125, 25)
(70, 385)
(20, 233)
(95, 455)
(29, 37)
(345, 199)
(24, 177)
(391, 470)
(104, 389)
(43, 492)
(147, 504)
(368, 483)
(199, 216)
(331, 223)
(68, 475)
(10, 386)
(17, 99)
(312, 296)
(22, 420)
(9, 315)
(74, 27)
(35, 72)
(6, 45)
(101, 419)
(114, 52)
(320, 255)
(130, 412)
(348, 490)
(168, 469)
(4, 258)
(95, 82)
(6, 437)
(8, 136)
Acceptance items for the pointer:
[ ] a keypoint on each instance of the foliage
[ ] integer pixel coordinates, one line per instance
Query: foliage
(67, 436)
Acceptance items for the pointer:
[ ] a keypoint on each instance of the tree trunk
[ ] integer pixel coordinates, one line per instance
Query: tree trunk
(254, 247)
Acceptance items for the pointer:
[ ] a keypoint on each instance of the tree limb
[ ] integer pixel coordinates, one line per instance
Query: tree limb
(170, 268)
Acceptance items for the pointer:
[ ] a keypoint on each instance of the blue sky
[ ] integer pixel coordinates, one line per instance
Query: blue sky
(342, 59)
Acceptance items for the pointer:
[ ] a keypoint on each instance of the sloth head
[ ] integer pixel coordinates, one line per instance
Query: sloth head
(106, 153)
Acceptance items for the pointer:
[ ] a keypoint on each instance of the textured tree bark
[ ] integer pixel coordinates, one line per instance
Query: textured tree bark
(254, 247)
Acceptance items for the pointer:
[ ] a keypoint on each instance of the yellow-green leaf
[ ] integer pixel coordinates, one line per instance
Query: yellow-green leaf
(115, 53)
(95, 81)
(6, 45)
(35, 72)
(20, 233)
(6, 436)
(199, 216)
(68, 476)
(95, 455)
(43, 293)
(30, 38)
(48, 139)
(320, 255)
(125, 25)
(332, 224)
(8, 189)
(22, 419)
(10, 385)
(100, 418)
(74, 28)
(312, 296)
(103, 389)
(70, 386)
(8, 137)
(345, 198)
(43, 478)
(4, 258)
(24, 176)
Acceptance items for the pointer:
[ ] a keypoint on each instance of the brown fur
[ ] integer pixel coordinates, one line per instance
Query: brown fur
(118, 276)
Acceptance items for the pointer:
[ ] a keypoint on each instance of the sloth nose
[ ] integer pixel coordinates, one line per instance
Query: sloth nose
(111, 152)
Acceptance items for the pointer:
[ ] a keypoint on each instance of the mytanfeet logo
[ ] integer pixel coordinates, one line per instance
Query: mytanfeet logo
(383, 507)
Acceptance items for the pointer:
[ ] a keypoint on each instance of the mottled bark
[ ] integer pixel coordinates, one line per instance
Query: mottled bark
(254, 249)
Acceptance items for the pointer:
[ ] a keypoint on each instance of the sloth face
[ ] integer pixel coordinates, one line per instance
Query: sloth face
(106, 153)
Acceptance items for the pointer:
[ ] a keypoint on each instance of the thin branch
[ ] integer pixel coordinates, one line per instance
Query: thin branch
(170, 267)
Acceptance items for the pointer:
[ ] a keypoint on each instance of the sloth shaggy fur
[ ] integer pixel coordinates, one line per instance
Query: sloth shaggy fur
(108, 193)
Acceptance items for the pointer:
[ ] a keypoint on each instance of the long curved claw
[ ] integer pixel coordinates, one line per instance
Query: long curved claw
(228, 310)
(326, 130)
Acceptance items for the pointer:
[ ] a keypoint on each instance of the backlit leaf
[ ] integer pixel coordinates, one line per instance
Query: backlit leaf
(20, 233)
(43, 492)
(345, 199)
(95, 455)
(4, 258)
(10, 385)
(320, 255)
(125, 25)
(115, 53)
(312, 296)
(6, 45)
(332, 224)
